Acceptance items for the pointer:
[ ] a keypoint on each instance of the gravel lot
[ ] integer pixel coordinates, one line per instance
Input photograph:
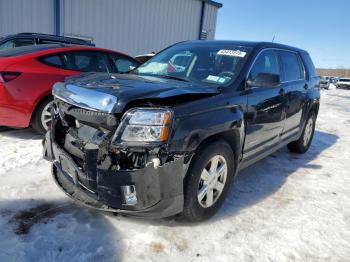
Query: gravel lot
(287, 207)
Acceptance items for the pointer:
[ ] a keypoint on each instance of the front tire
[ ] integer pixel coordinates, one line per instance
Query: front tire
(42, 116)
(301, 145)
(208, 181)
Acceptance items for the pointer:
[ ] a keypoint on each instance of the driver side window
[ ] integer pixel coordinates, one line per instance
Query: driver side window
(17, 43)
(267, 62)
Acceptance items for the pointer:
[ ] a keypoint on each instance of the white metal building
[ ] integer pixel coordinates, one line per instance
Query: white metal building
(132, 26)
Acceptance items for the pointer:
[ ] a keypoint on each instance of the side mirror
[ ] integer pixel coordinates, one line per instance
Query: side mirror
(264, 80)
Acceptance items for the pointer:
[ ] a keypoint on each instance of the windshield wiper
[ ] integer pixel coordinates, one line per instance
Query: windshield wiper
(172, 77)
(161, 76)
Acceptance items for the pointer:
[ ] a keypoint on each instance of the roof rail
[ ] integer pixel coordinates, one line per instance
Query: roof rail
(29, 33)
(80, 37)
(87, 39)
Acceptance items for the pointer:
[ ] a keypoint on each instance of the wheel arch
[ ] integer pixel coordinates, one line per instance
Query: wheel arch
(38, 104)
(232, 137)
(315, 106)
(196, 131)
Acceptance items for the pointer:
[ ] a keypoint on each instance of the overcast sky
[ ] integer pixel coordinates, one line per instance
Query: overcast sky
(322, 27)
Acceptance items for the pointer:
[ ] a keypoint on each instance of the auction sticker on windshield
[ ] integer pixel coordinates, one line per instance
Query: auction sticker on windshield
(216, 79)
(237, 53)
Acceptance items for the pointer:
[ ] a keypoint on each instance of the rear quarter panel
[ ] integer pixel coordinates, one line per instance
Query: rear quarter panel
(21, 96)
(313, 91)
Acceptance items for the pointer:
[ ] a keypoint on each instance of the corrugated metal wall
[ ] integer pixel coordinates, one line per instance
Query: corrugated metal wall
(134, 26)
(131, 26)
(209, 23)
(26, 16)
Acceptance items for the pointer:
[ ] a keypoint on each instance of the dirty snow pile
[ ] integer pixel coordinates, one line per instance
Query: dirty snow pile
(287, 207)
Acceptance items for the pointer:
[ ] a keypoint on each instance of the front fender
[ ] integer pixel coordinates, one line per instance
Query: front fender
(191, 130)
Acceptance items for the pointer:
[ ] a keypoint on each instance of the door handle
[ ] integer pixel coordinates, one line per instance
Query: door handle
(306, 86)
(282, 92)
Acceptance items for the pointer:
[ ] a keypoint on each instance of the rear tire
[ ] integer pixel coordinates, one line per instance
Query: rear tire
(208, 181)
(42, 116)
(301, 145)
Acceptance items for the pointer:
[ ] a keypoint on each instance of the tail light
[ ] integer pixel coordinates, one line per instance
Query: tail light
(8, 76)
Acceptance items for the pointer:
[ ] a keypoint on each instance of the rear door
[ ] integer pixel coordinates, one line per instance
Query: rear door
(266, 108)
(293, 81)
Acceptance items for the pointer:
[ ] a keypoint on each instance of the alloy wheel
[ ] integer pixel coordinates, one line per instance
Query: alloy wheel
(212, 181)
(308, 131)
(46, 116)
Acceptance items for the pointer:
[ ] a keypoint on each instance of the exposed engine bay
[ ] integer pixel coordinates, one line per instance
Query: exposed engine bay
(88, 137)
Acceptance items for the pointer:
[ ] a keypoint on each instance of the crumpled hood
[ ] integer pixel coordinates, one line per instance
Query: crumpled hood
(110, 93)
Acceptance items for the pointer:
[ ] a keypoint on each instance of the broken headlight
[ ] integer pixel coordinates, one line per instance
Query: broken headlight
(144, 125)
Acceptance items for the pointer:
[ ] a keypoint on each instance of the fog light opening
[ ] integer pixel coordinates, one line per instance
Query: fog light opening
(130, 197)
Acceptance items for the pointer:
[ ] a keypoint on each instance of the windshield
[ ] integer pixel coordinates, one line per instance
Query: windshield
(205, 64)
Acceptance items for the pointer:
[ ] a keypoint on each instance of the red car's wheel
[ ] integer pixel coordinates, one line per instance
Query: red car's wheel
(42, 117)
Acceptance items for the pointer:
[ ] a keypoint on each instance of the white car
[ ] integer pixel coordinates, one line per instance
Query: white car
(343, 83)
(324, 82)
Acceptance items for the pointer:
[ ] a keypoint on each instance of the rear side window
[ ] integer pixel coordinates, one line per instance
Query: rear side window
(310, 65)
(52, 60)
(17, 43)
(123, 64)
(79, 61)
(267, 62)
(6, 45)
(86, 61)
(292, 68)
(23, 42)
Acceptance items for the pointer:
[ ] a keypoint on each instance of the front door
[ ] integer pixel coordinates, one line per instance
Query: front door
(266, 109)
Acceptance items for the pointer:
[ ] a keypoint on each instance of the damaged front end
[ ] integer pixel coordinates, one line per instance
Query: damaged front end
(116, 162)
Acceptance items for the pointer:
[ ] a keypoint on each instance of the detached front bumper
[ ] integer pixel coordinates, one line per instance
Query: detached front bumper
(159, 191)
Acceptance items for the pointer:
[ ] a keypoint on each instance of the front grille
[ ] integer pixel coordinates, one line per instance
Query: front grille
(80, 127)
(69, 113)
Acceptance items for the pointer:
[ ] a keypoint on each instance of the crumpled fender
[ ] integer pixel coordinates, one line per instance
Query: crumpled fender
(229, 120)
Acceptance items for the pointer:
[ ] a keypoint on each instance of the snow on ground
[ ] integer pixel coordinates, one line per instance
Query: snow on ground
(287, 207)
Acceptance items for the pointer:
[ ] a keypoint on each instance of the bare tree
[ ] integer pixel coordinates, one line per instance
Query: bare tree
(339, 72)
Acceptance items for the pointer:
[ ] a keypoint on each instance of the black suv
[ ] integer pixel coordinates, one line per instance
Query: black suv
(170, 136)
(25, 39)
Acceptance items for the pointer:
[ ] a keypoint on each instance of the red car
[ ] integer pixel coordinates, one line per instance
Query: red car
(28, 73)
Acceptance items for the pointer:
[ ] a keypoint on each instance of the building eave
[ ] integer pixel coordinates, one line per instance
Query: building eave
(210, 2)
